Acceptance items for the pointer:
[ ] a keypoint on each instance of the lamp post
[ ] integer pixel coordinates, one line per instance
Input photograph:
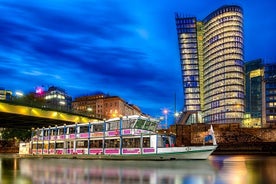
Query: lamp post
(165, 112)
(89, 111)
(176, 114)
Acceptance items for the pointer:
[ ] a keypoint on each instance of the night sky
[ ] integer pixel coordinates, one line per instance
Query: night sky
(125, 48)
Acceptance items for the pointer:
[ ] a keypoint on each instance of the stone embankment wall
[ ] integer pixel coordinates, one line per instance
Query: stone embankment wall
(230, 137)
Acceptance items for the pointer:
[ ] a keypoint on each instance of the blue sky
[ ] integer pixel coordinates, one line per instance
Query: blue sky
(123, 48)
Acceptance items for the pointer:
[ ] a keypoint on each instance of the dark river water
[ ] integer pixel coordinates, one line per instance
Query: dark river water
(238, 169)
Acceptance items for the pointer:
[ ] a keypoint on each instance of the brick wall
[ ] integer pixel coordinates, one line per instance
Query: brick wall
(229, 136)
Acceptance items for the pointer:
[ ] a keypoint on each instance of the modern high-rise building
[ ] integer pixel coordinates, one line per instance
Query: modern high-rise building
(253, 89)
(260, 100)
(211, 54)
(254, 73)
(270, 95)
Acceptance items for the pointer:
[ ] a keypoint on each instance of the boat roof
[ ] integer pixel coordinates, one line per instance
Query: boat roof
(112, 120)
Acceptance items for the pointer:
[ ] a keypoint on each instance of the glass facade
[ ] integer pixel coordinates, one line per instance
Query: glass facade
(270, 93)
(223, 66)
(187, 39)
(56, 97)
(253, 88)
(212, 64)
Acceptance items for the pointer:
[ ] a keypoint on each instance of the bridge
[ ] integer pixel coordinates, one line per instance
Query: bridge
(21, 116)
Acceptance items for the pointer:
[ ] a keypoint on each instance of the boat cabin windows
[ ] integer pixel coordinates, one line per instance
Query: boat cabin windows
(128, 123)
(114, 125)
(61, 131)
(45, 146)
(52, 146)
(70, 144)
(83, 129)
(97, 128)
(139, 124)
(95, 144)
(37, 145)
(82, 144)
(71, 130)
(147, 125)
(112, 143)
(166, 141)
(146, 142)
(152, 126)
(59, 145)
(131, 142)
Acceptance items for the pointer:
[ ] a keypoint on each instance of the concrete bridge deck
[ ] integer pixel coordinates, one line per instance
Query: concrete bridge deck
(19, 116)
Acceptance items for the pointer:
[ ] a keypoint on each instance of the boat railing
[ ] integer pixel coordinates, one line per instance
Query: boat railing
(86, 135)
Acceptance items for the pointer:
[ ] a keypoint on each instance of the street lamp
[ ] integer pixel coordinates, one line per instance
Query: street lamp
(89, 111)
(165, 112)
(176, 114)
(18, 94)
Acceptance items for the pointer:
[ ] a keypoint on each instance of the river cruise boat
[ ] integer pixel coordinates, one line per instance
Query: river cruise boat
(126, 138)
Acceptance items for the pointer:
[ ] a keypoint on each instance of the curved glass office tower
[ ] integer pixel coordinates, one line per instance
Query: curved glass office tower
(217, 61)
(223, 65)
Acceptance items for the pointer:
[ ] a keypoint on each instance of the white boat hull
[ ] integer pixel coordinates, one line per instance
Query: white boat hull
(171, 153)
(182, 153)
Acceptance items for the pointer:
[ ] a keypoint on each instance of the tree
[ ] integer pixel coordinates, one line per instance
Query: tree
(16, 133)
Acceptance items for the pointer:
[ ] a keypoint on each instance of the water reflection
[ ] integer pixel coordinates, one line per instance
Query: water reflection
(216, 170)
(95, 171)
(242, 169)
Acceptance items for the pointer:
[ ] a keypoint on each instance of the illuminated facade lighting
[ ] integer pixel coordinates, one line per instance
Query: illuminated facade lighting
(211, 53)
(187, 38)
(269, 97)
(104, 106)
(19, 93)
(254, 74)
(56, 97)
(5, 94)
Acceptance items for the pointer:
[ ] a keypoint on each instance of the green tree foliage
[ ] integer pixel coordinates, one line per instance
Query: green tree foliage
(13, 133)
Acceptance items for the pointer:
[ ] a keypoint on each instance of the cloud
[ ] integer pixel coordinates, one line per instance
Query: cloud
(124, 48)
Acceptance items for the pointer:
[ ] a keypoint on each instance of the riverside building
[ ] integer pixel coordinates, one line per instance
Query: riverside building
(211, 54)
(254, 73)
(103, 106)
(269, 96)
(260, 94)
(5, 94)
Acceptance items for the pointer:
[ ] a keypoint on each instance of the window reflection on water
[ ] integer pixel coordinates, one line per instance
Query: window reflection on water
(107, 171)
(216, 170)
